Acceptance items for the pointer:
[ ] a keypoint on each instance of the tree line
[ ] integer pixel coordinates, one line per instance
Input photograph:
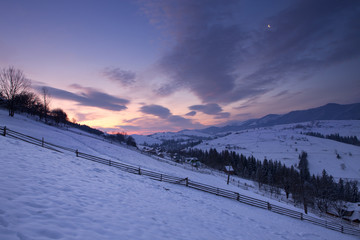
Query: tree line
(336, 137)
(15, 95)
(321, 192)
(122, 137)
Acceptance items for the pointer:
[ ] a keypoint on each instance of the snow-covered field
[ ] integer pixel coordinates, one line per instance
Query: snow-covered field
(50, 195)
(285, 142)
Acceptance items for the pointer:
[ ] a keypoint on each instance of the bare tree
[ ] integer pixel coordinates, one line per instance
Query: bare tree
(12, 83)
(340, 207)
(46, 102)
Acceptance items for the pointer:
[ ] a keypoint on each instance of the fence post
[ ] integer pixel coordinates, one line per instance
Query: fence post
(301, 216)
(160, 177)
(77, 153)
(268, 206)
(342, 229)
(139, 171)
(4, 131)
(109, 162)
(187, 182)
(42, 142)
(238, 197)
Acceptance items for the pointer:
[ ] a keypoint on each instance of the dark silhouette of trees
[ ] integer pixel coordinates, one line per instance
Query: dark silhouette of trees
(130, 141)
(305, 186)
(28, 102)
(12, 83)
(117, 137)
(15, 95)
(122, 138)
(308, 190)
(336, 137)
(176, 146)
(59, 116)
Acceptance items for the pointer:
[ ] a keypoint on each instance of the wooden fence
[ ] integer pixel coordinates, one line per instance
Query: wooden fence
(186, 182)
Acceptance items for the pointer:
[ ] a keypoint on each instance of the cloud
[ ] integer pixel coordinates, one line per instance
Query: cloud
(224, 59)
(84, 116)
(124, 77)
(301, 46)
(207, 49)
(167, 89)
(222, 115)
(282, 93)
(88, 97)
(211, 109)
(149, 125)
(192, 113)
(166, 120)
(131, 120)
(179, 120)
(164, 113)
(156, 110)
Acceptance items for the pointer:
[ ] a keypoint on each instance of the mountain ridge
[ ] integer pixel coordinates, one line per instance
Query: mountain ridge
(330, 111)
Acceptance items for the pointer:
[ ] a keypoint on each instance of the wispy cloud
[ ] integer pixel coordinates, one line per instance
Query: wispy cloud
(88, 97)
(124, 77)
(84, 116)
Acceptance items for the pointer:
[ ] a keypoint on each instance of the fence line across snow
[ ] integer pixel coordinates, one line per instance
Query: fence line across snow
(185, 182)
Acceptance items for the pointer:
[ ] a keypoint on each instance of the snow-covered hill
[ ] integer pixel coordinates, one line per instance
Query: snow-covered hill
(50, 195)
(330, 111)
(143, 139)
(183, 136)
(285, 142)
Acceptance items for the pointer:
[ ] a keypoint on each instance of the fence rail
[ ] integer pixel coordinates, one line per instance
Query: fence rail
(185, 182)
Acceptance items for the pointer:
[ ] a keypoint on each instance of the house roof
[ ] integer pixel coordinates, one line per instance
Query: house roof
(229, 168)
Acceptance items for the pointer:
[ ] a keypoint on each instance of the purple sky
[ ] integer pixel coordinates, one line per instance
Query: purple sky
(148, 66)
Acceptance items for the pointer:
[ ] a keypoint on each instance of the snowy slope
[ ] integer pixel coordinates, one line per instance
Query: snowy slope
(142, 139)
(49, 195)
(285, 142)
(101, 148)
(184, 135)
(52, 196)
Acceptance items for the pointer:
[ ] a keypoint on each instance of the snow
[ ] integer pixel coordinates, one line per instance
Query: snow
(285, 142)
(182, 135)
(50, 195)
(141, 139)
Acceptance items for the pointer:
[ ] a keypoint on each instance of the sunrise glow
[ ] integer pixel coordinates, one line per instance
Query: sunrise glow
(150, 66)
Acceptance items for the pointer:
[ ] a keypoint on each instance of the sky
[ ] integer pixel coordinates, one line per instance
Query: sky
(164, 65)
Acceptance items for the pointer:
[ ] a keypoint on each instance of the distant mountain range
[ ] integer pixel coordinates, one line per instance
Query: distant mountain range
(331, 111)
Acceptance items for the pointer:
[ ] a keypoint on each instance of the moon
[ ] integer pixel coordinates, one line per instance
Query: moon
(268, 26)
